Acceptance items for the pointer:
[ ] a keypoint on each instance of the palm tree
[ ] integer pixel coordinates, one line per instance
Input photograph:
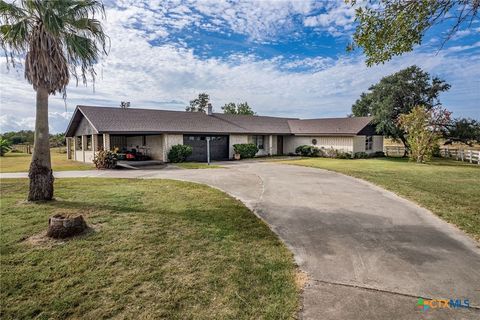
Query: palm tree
(58, 39)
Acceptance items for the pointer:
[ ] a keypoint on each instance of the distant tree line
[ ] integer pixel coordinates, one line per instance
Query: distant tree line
(28, 136)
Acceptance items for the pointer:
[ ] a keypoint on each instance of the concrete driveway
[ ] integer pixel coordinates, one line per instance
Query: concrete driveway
(368, 253)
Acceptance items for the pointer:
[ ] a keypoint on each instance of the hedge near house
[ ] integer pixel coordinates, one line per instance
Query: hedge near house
(246, 150)
(105, 159)
(307, 151)
(179, 153)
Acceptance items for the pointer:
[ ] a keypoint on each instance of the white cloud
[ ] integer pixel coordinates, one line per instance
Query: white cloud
(167, 76)
(338, 18)
(258, 20)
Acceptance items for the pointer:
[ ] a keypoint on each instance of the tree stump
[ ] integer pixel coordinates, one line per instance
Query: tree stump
(60, 226)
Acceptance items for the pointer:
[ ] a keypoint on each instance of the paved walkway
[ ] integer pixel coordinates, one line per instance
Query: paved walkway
(368, 253)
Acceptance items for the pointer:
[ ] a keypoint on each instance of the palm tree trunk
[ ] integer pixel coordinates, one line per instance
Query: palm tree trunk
(40, 174)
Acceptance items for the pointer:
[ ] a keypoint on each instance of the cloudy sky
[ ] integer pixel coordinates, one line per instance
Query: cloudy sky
(286, 58)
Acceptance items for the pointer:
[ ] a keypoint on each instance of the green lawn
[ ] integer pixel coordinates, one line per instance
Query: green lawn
(196, 165)
(156, 252)
(20, 162)
(450, 189)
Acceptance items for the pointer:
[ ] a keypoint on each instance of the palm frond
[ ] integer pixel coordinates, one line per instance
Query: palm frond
(61, 38)
(9, 12)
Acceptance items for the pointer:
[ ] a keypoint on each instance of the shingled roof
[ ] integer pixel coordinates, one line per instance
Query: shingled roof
(142, 121)
(329, 126)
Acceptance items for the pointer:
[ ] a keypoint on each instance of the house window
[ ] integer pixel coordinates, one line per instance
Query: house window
(368, 143)
(258, 141)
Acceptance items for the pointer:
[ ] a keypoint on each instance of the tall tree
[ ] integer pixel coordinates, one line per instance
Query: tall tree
(58, 39)
(424, 129)
(198, 104)
(397, 94)
(240, 108)
(392, 27)
(463, 130)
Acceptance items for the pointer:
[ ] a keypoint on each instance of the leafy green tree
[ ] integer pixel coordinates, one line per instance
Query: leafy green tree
(19, 137)
(463, 130)
(57, 38)
(423, 127)
(57, 140)
(391, 27)
(398, 94)
(198, 104)
(5, 146)
(240, 108)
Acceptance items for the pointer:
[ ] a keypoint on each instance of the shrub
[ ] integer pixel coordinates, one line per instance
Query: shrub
(246, 150)
(331, 153)
(361, 155)
(307, 151)
(343, 155)
(105, 159)
(179, 153)
(5, 146)
(377, 154)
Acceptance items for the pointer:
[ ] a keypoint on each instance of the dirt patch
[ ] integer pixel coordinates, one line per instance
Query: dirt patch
(301, 279)
(41, 239)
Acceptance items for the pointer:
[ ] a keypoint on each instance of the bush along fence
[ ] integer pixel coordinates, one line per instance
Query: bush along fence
(468, 155)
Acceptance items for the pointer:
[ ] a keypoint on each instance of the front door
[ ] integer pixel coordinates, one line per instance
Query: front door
(280, 145)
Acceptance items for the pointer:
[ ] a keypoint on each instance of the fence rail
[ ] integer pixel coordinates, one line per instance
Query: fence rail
(25, 148)
(469, 155)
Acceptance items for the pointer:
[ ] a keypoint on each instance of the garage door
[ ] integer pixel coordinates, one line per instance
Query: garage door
(218, 147)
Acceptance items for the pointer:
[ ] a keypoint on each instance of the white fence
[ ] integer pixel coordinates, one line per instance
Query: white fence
(472, 156)
(468, 155)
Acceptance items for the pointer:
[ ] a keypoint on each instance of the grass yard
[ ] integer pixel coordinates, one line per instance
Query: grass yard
(20, 162)
(155, 252)
(450, 189)
(196, 165)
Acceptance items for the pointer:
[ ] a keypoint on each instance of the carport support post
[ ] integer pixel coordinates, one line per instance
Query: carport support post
(270, 145)
(69, 146)
(75, 148)
(84, 147)
(106, 141)
(94, 144)
(208, 150)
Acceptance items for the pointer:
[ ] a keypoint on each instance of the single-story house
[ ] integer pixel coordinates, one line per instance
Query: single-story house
(154, 132)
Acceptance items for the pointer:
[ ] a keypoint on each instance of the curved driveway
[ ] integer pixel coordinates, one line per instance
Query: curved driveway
(368, 253)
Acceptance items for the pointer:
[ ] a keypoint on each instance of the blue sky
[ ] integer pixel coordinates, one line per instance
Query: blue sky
(286, 58)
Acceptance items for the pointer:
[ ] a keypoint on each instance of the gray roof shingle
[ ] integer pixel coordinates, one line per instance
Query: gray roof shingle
(329, 126)
(133, 120)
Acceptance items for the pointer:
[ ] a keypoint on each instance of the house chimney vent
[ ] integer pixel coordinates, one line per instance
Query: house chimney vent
(209, 109)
